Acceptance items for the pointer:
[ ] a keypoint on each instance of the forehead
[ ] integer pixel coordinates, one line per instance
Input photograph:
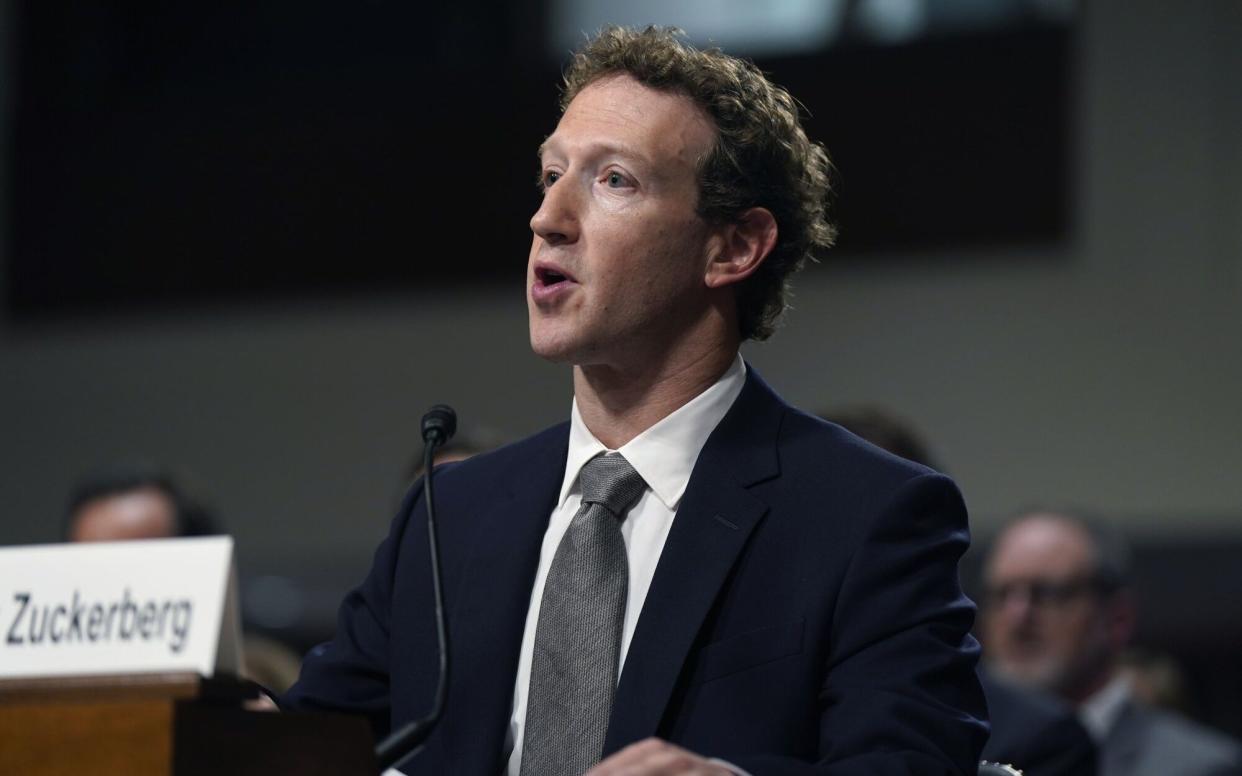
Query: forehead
(140, 513)
(1042, 547)
(620, 113)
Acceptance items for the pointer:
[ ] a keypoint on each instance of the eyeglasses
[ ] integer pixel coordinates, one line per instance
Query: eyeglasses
(1040, 593)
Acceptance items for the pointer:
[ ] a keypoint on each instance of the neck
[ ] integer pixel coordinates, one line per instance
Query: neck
(618, 404)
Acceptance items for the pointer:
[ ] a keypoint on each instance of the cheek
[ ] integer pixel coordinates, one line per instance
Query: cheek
(1069, 631)
(990, 633)
(675, 257)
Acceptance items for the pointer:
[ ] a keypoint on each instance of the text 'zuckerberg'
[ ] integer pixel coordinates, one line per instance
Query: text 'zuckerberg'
(85, 621)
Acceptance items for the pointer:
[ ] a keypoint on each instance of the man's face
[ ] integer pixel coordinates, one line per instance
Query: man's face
(1045, 622)
(619, 255)
(145, 513)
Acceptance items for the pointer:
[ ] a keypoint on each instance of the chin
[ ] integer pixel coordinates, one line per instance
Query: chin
(550, 349)
(1045, 675)
(559, 341)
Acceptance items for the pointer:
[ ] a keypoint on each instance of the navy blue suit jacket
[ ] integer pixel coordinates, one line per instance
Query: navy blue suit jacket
(805, 615)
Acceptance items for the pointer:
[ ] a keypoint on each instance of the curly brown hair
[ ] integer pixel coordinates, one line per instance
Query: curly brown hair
(762, 156)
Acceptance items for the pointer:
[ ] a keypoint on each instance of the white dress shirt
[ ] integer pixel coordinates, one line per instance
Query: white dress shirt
(1099, 713)
(664, 455)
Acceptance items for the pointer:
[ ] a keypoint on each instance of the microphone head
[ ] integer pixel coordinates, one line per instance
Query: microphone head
(439, 424)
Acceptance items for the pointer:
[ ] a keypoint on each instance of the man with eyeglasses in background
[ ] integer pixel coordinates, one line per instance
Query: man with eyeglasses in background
(1057, 614)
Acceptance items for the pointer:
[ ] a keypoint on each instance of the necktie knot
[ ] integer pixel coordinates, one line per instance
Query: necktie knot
(610, 481)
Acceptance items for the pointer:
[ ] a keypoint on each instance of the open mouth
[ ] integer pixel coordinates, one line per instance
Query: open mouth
(550, 276)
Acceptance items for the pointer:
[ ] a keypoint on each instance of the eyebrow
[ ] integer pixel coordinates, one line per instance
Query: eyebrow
(542, 147)
(603, 148)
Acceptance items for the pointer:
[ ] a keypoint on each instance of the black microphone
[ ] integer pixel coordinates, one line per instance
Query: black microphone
(438, 427)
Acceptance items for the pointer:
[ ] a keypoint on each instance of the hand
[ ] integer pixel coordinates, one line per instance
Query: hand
(654, 757)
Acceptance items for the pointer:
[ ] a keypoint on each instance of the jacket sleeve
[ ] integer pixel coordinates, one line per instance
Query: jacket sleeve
(350, 674)
(900, 695)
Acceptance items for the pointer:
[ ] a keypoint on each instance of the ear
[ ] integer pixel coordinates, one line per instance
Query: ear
(744, 245)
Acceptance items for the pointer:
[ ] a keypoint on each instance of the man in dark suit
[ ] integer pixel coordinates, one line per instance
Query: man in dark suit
(1058, 615)
(689, 576)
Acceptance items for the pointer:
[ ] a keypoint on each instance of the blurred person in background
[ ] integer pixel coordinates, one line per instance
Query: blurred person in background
(1058, 614)
(139, 500)
(1036, 733)
(134, 501)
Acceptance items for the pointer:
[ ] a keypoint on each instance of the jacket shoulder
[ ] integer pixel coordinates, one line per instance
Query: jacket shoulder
(536, 447)
(811, 444)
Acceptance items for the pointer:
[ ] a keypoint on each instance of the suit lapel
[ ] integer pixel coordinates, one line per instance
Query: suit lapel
(487, 619)
(713, 523)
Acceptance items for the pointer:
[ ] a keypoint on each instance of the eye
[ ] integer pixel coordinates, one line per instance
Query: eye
(616, 180)
(547, 178)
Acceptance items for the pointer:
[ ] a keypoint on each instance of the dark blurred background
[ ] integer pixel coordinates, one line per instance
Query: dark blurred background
(256, 240)
(215, 151)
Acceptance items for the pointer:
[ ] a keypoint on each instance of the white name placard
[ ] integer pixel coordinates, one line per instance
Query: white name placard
(164, 605)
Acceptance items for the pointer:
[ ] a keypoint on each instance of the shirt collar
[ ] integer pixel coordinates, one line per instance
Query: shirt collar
(1099, 713)
(663, 455)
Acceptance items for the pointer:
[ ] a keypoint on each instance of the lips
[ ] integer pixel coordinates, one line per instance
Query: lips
(548, 274)
(551, 282)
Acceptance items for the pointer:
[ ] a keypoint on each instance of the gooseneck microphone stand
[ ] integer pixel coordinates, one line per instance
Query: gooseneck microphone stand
(438, 427)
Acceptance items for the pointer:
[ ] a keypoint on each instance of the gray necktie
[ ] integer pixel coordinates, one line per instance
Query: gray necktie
(573, 672)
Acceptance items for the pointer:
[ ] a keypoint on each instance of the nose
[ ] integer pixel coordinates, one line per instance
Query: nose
(556, 220)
